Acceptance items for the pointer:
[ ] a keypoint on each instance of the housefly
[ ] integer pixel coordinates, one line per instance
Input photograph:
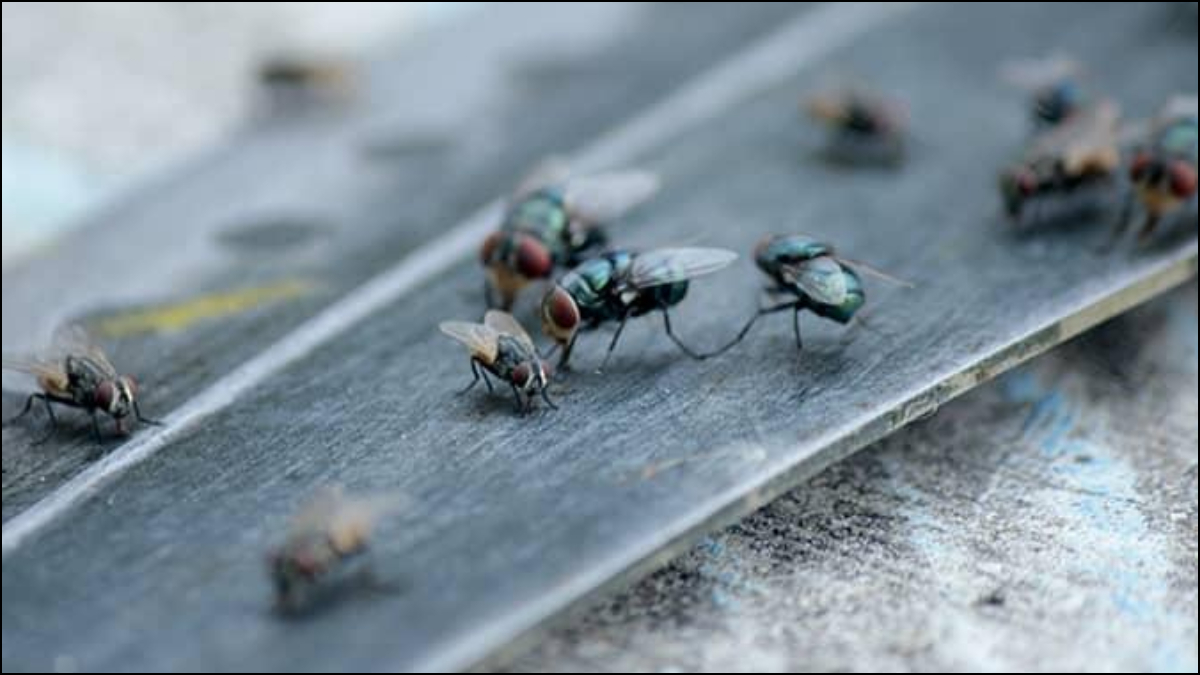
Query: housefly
(1163, 167)
(75, 372)
(500, 346)
(1067, 169)
(324, 536)
(865, 126)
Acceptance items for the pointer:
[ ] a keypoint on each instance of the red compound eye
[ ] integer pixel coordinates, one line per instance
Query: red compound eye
(1183, 179)
(1026, 182)
(533, 260)
(521, 374)
(306, 564)
(1139, 166)
(106, 393)
(489, 247)
(559, 310)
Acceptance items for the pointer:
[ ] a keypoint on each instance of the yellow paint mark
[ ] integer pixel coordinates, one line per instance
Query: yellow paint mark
(180, 316)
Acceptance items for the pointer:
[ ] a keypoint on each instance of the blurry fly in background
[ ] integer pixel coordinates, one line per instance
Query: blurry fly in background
(1068, 170)
(1163, 168)
(328, 532)
(865, 126)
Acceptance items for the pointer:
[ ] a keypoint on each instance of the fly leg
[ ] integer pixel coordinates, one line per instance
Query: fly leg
(796, 327)
(1148, 228)
(613, 344)
(475, 371)
(96, 427)
(521, 406)
(546, 398)
(137, 413)
(28, 406)
(679, 343)
(1123, 222)
(49, 412)
(566, 354)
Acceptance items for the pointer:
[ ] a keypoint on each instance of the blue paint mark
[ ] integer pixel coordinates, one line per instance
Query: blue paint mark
(1114, 542)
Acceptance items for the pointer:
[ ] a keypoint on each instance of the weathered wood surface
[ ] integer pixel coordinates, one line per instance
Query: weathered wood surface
(515, 520)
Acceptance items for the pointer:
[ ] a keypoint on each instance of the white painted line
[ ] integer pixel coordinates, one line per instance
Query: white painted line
(766, 64)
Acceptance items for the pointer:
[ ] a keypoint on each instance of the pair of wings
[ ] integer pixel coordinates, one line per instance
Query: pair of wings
(832, 104)
(334, 513)
(824, 278)
(1090, 138)
(663, 266)
(49, 365)
(1098, 135)
(596, 198)
(483, 338)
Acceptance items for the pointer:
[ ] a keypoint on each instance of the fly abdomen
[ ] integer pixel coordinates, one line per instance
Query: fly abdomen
(842, 313)
(543, 216)
(658, 297)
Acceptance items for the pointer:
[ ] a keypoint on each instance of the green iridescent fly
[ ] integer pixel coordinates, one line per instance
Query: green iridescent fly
(815, 278)
(554, 221)
(618, 285)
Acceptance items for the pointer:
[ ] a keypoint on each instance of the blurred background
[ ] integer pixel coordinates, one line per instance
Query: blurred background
(71, 138)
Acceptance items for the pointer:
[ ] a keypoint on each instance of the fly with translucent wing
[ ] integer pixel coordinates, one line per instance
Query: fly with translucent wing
(1056, 84)
(1067, 170)
(328, 532)
(621, 284)
(75, 372)
(1163, 168)
(500, 346)
(815, 278)
(865, 126)
(552, 222)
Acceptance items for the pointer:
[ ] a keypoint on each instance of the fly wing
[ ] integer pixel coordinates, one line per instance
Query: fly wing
(669, 265)
(503, 322)
(603, 197)
(548, 172)
(478, 338)
(347, 521)
(49, 374)
(859, 266)
(1179, 106)
(1036, 73)
(822, 279)
(74, 340)
(1090, 140)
